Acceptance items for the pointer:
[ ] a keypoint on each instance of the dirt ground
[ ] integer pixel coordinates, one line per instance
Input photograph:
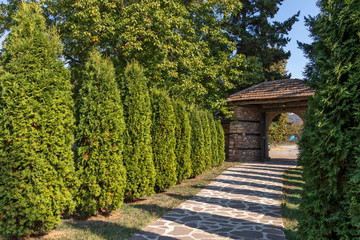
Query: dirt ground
(288, 151)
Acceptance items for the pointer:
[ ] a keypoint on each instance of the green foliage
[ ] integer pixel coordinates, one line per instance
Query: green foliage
(329, 147)
(181, 44)
(164, 141)
(138, 156)
(197, 142)
(214, 140)
(99, 140)
(221, 142)
(36, 128)
(205, 125)
(278, 129)
(256, 35)
(183, 147)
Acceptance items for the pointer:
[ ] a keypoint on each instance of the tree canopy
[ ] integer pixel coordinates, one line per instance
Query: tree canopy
(255, 34)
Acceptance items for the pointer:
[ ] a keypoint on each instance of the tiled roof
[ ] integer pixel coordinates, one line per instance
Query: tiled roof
(285, 88)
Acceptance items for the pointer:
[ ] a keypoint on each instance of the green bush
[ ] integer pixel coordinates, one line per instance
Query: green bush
(197, 143)
(36, 128)
(221, 143)
(163, 135)
(99, 138)
(183, 147)
(205, 124)
(329, 147)
(214, 140)
(138, 156)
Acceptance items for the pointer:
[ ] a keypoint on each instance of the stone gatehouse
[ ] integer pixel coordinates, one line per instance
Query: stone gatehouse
(246, 134)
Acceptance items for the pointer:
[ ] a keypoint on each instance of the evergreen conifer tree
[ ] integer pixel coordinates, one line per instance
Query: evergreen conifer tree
(329, 147)
(36, 128)
(214, 140)
(138, 156)
(99, 139)
(205, 124)
(197, 143)
(163, 135)
(256, 35)
(183, 147)
(221, 143)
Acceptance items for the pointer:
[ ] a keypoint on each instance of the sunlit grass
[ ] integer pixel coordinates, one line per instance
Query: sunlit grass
(292, 188)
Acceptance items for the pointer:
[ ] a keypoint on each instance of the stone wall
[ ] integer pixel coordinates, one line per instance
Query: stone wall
(243, 135)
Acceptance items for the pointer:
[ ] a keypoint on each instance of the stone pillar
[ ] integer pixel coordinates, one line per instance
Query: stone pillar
(243, 135)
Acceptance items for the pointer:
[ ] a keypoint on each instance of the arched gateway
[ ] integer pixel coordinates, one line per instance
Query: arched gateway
(254, 108)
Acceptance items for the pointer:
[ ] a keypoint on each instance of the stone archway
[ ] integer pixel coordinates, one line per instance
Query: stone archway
(254, 109)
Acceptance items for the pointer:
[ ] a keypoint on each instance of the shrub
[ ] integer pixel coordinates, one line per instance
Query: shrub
(163, 135)
(214, 140)
(207, 139)
(138, 156)
(99, 138)
(183, 147)
(221, 143)
(197, 143)
(36, 128)
(329, 147)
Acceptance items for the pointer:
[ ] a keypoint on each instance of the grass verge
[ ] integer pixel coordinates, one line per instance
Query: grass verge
(292, 187)
(132, 217)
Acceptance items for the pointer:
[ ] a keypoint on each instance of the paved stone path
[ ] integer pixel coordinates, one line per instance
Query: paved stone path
(242, 203)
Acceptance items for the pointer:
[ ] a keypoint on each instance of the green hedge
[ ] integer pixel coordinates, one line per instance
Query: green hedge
(163, 135)
(138, 156)
(214, 140)
(36, 128)
(205, 125)
(330, 143)
(99, 138)
(221, 143)
(197, 143)
(183, 147)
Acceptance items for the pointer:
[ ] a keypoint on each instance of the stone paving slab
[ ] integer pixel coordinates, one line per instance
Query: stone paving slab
(241, 203)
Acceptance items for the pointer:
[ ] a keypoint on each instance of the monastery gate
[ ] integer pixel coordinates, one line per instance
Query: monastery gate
(246, 134)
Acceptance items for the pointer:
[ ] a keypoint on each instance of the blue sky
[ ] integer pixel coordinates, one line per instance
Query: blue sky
(297, 61)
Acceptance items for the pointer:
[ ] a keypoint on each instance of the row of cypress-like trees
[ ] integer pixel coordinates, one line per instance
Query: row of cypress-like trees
(129, 141)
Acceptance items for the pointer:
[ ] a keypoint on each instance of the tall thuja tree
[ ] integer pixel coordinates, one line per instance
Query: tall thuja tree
(329, 147)
(182, 135)
(197, 143)
(220, 143)
(138, 156)
(256, 35)
(36, 128)
(205, 124)
(164, 141)
(99, 139)
(214, 140)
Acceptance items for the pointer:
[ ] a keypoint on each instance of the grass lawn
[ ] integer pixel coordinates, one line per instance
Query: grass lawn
(132, 217)
(292, 188)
